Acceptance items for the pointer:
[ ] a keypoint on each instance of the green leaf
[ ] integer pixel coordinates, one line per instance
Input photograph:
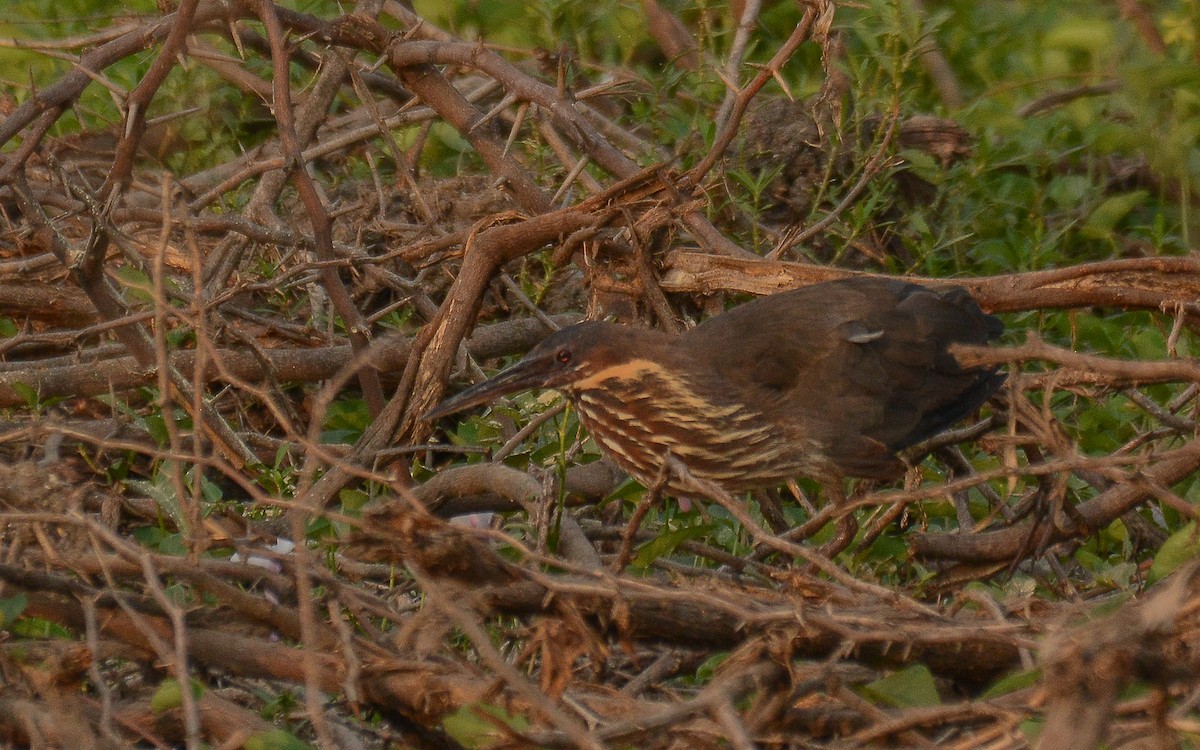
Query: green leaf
(1031, 728)
(353, 501)
(27, 394)
(468, 726)
(708, 668)
(1085, 34)
(1179, 548)
(1068, 191)
(156, 426)
(275, 739)
(169, 695)
(666, 543)
(138, 286)
(449, 137)
(36, 627)
(910, 687)
(211, 491)
(11, 608)
(630, 489)
(166, 542)
(1013, 682)
(1104, 219)
(345, 421)
(161, 489)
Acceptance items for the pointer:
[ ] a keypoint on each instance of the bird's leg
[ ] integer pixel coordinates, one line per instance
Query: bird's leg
(847, 524)
(801, 498)
(880, 523)
(812, 525)
(652, 496)
(816, 522)
(770, 505)
(742, 515)
(1051, 513)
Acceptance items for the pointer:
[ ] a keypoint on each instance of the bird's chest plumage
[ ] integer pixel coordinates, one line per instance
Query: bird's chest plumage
(640, 411)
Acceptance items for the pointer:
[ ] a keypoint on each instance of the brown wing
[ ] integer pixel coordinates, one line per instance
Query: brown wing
(861, 365)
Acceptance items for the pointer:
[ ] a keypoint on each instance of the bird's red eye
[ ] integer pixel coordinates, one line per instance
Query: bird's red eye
(563, 356)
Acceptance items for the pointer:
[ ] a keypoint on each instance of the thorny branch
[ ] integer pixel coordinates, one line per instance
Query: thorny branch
(181, 385)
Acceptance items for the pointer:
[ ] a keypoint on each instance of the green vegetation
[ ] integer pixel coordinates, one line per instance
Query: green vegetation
(962, 140)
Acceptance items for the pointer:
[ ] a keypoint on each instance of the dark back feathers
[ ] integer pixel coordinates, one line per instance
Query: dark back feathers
(861, 365)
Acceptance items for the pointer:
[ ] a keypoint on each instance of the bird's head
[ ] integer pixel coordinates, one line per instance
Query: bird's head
(560, 361)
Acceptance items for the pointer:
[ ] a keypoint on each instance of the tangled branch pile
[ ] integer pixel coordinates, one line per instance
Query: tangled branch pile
(214, 357)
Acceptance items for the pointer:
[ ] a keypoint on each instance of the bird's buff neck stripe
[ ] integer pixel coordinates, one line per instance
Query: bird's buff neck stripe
(633, 370)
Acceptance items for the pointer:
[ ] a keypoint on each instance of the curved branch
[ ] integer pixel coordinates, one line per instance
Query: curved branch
(85, 379)
(1006, 544)
(1090, 367)
(1146, 283)
(68, 88)
(357, 329)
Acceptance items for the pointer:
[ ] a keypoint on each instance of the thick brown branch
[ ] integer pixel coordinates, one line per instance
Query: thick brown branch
(1006, 544)
(1088, 367)
(284, 365)
(1146, 283)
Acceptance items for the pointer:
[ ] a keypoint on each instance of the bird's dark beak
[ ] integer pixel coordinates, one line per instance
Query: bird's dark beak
(526, 374)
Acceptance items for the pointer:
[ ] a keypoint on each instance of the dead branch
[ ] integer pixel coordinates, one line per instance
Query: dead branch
(1164, 470)
(186, 455)
(1132, 283)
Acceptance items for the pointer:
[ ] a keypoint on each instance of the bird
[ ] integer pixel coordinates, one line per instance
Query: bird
(827, 381)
